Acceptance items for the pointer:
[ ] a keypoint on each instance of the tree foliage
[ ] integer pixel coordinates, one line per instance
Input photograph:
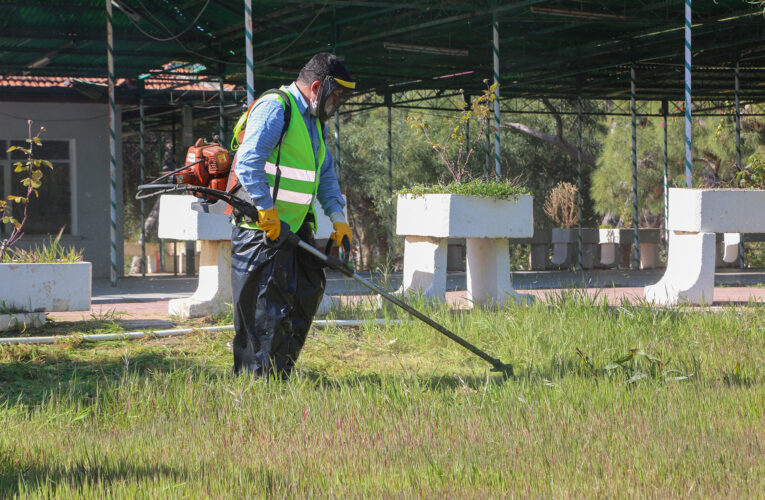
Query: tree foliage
(714, 158)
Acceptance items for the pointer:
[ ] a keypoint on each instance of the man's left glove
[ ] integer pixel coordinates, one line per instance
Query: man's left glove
(342, 230)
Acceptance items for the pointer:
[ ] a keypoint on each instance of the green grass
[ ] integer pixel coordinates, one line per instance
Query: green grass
(400, 411)
(501, 190)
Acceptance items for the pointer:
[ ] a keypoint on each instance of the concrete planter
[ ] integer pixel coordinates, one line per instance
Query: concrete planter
(616, 247)
(31, 288)
(429, 221)
(182, 217)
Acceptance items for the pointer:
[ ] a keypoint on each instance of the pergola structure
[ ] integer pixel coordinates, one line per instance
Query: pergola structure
(591, 49)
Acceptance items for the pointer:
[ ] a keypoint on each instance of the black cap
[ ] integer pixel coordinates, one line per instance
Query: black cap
(322, 65)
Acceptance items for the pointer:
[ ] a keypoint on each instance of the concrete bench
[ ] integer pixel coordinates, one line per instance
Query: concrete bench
(616, 247)
(180, 218)
(732, 244)
(539, 243)
(695, 215)
(427, 222)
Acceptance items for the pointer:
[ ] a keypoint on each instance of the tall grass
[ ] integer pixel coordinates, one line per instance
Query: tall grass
(399, 411)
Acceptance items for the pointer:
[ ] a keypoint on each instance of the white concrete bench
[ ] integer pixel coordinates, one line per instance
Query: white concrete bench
(179, 220)
(695, 215)
(428, 221)
(616, 247)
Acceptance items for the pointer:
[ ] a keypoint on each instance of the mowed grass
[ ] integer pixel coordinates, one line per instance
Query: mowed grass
(400, 411)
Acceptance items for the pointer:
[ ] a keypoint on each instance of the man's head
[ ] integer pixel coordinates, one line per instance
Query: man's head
(326, 83)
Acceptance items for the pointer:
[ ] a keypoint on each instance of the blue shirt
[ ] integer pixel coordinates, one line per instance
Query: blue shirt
(264, 125)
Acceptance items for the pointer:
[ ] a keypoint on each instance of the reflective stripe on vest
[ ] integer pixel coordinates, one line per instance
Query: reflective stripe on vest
(300, 171)
(297, 174)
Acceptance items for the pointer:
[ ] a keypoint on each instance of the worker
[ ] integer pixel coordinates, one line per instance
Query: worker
(277, 290)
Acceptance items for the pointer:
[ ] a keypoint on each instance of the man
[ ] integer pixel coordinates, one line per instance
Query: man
(277, 290)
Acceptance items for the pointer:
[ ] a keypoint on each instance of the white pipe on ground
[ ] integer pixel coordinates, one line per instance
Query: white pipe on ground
(102, 337)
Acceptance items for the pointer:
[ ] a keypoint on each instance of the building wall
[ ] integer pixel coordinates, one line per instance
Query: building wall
(86, 126)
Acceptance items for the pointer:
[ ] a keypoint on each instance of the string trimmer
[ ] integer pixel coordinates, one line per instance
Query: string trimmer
(340, 265)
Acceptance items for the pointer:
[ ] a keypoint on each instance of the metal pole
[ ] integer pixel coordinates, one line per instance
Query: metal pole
(466, 101)
(390, 173)
(160, 157)
(221, 114)
(337, 147)
(579, 179)
(633, 112)
(487, 167)
(737, 89)
(665, 112)
(688, 135)
(112, 146)
(143, 176)
(495, 46)
(248, 51)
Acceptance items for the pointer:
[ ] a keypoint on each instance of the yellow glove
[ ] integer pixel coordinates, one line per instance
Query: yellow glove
(268, 220)
(342, 229)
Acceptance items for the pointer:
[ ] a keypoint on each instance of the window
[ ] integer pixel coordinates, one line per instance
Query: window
(52, 209)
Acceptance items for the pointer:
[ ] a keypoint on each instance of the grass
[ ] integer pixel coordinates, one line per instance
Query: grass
(399, 411)
(501, 190)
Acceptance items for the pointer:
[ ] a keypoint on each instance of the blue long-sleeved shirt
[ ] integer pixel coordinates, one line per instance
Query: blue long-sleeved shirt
(260, 139)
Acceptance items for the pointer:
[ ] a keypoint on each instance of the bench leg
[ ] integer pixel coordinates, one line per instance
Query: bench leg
(649, 255)
(731, 242)
(538, 257)
(690, 274)
(425, 266)
(609, 254)
(488, 272)
(214, 289)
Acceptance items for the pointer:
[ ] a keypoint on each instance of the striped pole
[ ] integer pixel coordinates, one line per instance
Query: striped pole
(579, 178)
(248, 51)
(495, 46)
(633, 112)
(664, 112)
(389, 98)
(112, 146)
(143, 176)
(688, 137)
(741, 262)
(221, 114)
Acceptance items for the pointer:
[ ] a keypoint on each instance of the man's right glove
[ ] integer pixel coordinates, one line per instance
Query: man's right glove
(342, 230)
(268, 220)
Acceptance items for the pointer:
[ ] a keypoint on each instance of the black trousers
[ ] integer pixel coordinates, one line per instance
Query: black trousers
(276, 293)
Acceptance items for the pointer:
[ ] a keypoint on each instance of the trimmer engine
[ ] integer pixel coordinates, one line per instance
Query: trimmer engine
(208, 165)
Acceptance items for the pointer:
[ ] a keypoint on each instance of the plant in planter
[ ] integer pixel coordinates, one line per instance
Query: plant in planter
(561, 207)
(485, 213)
(51, 278)
(455, 149)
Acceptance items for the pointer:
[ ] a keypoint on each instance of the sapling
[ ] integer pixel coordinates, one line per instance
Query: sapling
(32, 181)
(455, 149)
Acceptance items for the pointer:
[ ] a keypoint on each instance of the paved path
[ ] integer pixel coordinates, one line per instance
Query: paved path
(137, 301)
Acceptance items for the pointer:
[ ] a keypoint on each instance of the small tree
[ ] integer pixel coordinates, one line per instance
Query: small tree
(454, 149)
(32, 181)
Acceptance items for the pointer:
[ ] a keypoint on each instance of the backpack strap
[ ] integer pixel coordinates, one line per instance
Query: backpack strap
(233, 185)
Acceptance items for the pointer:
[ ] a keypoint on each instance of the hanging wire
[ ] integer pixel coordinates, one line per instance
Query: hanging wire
(172, 37)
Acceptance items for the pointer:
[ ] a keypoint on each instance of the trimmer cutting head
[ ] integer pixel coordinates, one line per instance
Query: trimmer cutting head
(504, 368)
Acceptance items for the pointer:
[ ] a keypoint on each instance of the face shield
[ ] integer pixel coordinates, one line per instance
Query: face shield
(333, 92)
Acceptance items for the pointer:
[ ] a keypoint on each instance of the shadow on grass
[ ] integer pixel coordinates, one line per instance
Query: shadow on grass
(16, 477)
(36, 373)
